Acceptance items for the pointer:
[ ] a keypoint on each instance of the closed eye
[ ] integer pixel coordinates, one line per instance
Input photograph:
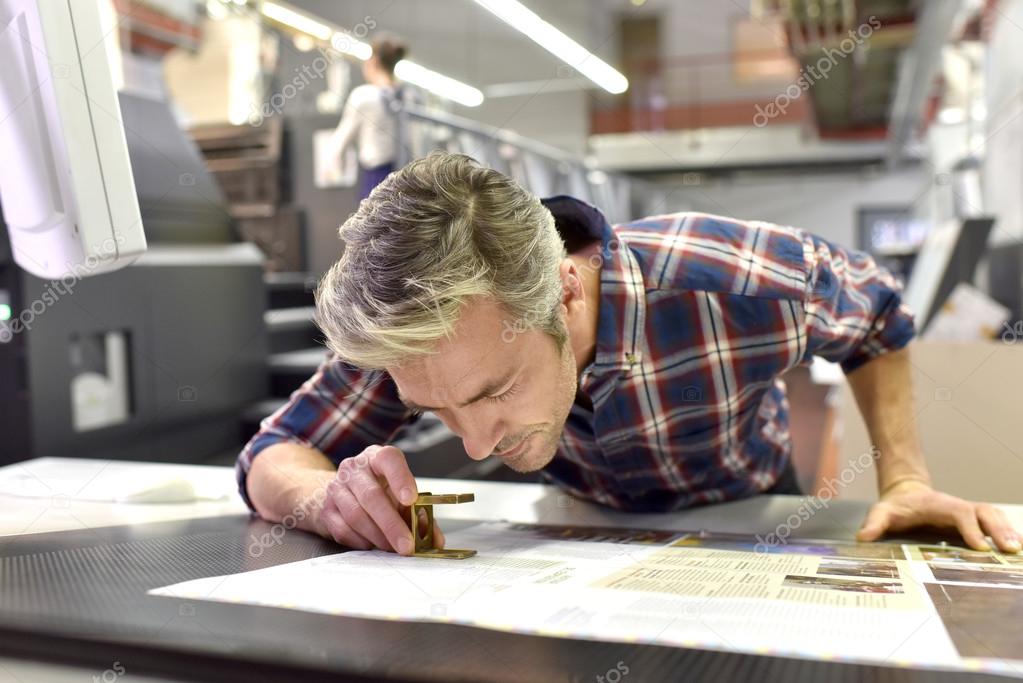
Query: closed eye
(511, 391)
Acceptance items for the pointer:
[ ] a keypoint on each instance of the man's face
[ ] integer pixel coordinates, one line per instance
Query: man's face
(503, 389)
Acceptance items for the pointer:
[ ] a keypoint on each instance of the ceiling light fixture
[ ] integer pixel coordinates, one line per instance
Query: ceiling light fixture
(544, 34)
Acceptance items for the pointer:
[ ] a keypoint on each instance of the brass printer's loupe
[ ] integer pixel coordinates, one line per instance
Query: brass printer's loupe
(424, 545)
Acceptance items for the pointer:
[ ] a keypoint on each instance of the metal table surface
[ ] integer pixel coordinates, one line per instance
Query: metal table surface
(77, 597)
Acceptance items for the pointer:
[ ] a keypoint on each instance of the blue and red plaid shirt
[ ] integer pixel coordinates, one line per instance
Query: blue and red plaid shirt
(700, 316)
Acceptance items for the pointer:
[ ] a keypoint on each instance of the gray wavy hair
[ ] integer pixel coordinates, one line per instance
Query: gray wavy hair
(430, 236)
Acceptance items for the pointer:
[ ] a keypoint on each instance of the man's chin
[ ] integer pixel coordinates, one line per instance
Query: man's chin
(531, 460)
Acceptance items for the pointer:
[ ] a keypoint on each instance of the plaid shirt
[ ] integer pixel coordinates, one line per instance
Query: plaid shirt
(700, 316)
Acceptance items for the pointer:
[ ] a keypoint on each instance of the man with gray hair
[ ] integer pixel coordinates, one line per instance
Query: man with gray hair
(637, 366)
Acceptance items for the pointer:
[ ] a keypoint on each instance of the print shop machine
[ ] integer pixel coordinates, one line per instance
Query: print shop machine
(108, 349)
(90, 375)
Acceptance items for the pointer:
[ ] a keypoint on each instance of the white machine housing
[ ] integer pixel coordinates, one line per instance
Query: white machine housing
(66, 184)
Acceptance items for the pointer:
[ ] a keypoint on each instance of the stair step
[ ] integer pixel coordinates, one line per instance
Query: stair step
(302, 360)
(289, 369)
(289, 281)
(292, 329)
(287, 290)
(296, 318)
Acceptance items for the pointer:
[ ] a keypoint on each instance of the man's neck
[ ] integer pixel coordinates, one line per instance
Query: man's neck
(584, 341)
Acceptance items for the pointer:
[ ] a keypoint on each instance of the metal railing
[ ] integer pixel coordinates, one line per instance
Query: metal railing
(542, 169)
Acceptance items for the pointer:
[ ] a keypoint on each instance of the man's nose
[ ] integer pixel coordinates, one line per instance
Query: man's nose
(480, 435)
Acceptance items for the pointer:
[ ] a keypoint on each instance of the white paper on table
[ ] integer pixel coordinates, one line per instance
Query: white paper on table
(109, 481)
(662, 592)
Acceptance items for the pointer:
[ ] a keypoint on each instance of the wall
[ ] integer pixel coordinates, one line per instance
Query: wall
(698, 49)
(821, 202)
(220, 83)
(966, 403)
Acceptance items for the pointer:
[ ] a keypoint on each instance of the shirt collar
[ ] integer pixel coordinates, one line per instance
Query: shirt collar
(622, 291)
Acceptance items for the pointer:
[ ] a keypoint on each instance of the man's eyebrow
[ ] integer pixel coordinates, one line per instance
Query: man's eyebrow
(489, 389)
(412, 405)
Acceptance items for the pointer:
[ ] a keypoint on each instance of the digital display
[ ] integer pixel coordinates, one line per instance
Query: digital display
(5, 315)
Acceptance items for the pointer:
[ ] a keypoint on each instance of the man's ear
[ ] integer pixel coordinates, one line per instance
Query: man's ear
(571, 284)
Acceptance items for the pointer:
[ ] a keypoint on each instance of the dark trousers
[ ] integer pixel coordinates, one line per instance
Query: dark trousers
(371, 177)
(787, 483)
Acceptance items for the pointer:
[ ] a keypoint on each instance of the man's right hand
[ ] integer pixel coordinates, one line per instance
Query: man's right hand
(367, 502)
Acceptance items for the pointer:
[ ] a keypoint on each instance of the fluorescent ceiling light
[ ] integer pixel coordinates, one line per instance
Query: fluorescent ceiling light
(216, 10)
(951, 116)
(557, 43)
(350, 45)
(342, 41)
(438, 83)
(296, 20)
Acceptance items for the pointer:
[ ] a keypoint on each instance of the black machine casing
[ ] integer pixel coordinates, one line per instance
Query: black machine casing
(190, 311)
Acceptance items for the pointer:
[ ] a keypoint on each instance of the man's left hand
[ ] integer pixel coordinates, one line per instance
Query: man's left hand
(913, 503)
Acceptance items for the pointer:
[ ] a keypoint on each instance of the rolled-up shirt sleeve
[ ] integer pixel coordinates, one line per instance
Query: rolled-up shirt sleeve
(339, 411)
(854, 308)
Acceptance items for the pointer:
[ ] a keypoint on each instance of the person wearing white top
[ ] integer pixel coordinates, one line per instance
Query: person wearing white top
(370, 115)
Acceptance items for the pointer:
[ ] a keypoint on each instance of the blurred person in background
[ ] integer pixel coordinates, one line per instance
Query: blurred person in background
(370, 118)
